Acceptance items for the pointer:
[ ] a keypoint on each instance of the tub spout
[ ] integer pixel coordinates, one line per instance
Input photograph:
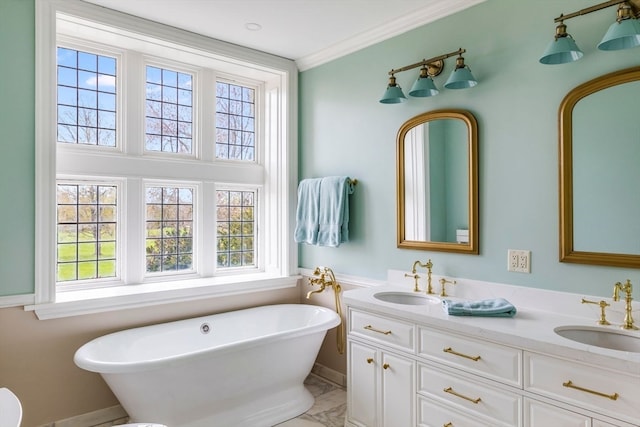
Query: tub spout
(316, 291)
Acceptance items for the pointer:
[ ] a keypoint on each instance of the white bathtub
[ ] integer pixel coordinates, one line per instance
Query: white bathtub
(241, 368)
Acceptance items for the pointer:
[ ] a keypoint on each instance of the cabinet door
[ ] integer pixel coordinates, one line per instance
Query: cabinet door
(362, 384)
(538, 414)
(398, 391)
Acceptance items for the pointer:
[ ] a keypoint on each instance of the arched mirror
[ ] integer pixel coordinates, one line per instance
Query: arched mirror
(437, 182)
(599, 151)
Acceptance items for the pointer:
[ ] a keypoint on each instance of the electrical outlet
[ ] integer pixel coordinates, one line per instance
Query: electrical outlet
(519, 261)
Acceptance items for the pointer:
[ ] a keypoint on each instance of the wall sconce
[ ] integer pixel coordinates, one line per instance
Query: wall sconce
(460, 78)
(622, 34)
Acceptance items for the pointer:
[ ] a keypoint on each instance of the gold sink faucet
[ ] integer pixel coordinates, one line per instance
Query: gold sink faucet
(626, 288)
(443, 282)
(603, 307)
(428, 266)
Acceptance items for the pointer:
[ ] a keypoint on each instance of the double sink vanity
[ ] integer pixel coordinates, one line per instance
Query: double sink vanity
(411, 364)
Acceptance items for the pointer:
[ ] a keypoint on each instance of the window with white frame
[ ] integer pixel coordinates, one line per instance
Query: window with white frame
(166, 160)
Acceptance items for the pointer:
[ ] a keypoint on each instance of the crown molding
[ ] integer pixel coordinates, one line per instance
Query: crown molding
(416, 19)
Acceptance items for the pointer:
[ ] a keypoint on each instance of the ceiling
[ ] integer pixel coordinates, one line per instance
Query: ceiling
(311, 32)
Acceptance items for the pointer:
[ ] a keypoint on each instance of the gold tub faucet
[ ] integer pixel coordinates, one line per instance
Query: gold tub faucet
(627, 289)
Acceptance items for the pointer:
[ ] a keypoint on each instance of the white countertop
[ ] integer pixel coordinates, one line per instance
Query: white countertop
(531, 329)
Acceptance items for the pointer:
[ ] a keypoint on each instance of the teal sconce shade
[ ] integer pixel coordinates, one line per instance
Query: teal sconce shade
(393, 94)
(622, 34)
(424, 86)
(461, 77)
(562, 49)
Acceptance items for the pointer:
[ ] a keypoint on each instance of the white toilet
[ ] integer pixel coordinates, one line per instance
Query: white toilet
(10, 409)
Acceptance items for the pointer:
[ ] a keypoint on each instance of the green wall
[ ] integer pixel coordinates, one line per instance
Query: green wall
(17, 181)
(345, 131)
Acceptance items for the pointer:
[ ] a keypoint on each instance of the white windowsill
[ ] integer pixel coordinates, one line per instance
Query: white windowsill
(74, 303)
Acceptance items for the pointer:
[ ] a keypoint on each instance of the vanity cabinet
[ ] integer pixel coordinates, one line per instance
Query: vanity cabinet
(403, 373)
(470, 377)
(380, 381)
(539, 414)
(614, 393)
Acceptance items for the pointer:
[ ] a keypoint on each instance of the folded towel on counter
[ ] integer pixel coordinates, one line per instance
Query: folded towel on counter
(497, 307)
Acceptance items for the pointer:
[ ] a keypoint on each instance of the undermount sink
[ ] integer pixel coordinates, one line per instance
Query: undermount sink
(600, 337)
(406, 298)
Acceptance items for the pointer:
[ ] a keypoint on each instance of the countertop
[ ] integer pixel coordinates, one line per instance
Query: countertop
(531, 329)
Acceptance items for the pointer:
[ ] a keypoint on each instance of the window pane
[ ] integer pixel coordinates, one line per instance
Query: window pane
(86, 231)
(235, 228)
(169, 220)
(235, 116)
(86, 80)
(169, 98)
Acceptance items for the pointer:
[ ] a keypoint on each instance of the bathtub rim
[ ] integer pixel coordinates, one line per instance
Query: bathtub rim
(83, 359)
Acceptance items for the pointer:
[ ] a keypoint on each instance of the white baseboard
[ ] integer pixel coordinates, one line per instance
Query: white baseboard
(330, 374)
(101, 418)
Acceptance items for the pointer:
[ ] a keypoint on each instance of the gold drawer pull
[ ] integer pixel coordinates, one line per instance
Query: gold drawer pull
(449, 424)
(369, 360)
(371, 328)
(451, 391)
(569, 384)
(386, 366)
(450, 350)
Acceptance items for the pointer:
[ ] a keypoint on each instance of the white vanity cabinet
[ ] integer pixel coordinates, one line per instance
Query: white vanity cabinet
(380, 378)
(608, 392)
(437, 377)
(471, 377)
(539, 414)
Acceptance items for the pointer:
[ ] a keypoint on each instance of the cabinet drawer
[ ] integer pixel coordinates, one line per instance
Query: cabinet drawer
(489, 360)
(392, 332)
(431, 414)
(590, 387)
(538, 414)
(499, 407)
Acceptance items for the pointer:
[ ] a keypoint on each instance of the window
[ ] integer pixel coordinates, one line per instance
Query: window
(172, 168)
(169, 229)
(236, 225)
(235, 122)
(169, 100)
(86, 98)
(86, 232)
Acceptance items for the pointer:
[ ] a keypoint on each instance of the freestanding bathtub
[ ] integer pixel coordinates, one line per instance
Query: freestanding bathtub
(241, 368)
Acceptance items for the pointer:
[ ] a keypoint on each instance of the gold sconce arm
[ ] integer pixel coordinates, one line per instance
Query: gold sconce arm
(590, 9)
(436, 63)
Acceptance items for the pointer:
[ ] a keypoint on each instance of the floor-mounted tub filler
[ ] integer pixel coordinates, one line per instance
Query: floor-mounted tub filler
(241, 368)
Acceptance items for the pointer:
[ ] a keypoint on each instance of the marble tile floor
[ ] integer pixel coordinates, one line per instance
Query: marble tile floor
(329, 408)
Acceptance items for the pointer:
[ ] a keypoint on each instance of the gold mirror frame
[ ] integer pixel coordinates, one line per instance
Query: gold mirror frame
(565, 122)
(472, 126)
